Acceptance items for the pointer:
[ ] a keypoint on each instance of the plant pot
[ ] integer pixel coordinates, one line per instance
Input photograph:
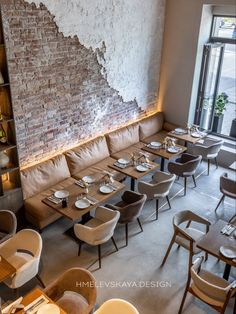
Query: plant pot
(233, 129)
(217, 123)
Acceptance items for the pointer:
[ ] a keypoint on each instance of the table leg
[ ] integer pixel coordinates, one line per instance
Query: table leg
(186, 144)
(132, 184)
(227, 271)
(85, 218)
(162, 164)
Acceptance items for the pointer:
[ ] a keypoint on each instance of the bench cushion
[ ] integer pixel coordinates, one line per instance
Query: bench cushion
(44, 175)
(151, 125)
(40, 214)
(123, 138)
(87, 155)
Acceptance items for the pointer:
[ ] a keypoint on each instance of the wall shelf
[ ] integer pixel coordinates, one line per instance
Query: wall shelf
(10, 184)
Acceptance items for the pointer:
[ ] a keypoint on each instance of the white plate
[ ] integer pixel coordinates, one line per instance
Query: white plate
(49, 309)
(195, 134)
(141, 168)
(81, 204)
(173, 150)
(88, 179)
(228, 251)
(179, 130)
(61, 194)
(106, 189)
(123, 161)
(155, 144)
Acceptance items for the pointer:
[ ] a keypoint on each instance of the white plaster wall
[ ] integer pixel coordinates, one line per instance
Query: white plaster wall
(132, 33)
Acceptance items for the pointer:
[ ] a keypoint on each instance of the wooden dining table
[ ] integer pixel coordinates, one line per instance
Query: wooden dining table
(6, 269)
(213, 240)
(76, 192)
(163, 153)
(131, 171)
(186, 137)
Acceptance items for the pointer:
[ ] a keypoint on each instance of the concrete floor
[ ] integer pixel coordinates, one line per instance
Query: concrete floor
(139, 263)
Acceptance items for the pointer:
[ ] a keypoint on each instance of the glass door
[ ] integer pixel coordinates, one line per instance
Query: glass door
(208, 86)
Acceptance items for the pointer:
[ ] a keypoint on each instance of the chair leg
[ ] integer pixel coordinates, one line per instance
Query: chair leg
(114, 242)
(126, 234)
(185, 185)
(206, 256)
(40, 281)
(80, 246)
(99, 256)
(184, 296)
(221, 200)
(16, 293)
(194, 181)
(168, 250)
(140, 225)
(157, 208)
(216, 162)
(168, 201)
(208, 166)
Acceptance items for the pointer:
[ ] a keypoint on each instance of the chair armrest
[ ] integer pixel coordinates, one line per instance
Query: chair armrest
(196, 218)
(113, 207)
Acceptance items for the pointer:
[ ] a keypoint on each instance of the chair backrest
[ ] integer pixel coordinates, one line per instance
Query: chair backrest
(190, 163)
(75, 279)
(117, 306)
(8, 222)
(227, 186)
(26, 240)
(134, 203)
(204, 287)
(214, 146)
(165, 185)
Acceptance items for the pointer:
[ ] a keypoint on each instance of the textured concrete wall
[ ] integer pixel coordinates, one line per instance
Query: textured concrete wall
(64, 88)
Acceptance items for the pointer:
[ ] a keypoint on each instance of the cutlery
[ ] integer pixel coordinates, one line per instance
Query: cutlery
(39, 302)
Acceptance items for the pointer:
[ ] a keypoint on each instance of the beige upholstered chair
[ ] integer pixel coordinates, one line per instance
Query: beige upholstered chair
(158, 188)
(185, 167)
(8, 224)
(233, 220)
(117, 306)
(227, 187)
(98, 230)
(74, 291)
(184, 235)
(209, 150)
(130, 208)
(211, 289)
(23, 251)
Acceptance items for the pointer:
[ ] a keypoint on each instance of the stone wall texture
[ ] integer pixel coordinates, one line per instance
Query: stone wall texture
(60, 92)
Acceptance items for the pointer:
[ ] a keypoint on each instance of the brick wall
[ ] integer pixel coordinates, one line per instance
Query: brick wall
(59, 95)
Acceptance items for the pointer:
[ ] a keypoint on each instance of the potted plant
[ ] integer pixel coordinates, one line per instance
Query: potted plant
(220, 107)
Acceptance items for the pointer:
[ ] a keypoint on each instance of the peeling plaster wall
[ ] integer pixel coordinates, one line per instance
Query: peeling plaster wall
(131, 33)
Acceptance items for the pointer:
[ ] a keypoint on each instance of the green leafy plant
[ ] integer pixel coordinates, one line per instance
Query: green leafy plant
(220, 105)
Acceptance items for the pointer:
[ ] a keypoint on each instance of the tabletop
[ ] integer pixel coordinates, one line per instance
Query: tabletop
(186, 137)
(6, 269)
(162, 152)
(132, 172)
(33, 295)
(74, 190)
(214, 239)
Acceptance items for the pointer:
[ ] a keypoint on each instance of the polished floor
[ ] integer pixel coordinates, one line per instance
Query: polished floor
(134, 272)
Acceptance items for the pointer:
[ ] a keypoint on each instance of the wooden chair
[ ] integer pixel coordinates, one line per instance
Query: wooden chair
(74, 291)
(209, 288)
(184, 235)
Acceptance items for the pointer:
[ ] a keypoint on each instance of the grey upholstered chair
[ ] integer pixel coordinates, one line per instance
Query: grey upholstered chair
(8, 224)
(74, 291)
(98, 230)
(158, 188)
(185, 166)
(209, 150)
(227, 188)
(130, 208)
(208, 287)
(184, 235)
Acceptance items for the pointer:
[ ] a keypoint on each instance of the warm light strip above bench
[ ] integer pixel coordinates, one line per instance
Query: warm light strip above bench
(147, 114)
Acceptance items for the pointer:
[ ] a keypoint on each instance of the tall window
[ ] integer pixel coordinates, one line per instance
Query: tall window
(216, 104)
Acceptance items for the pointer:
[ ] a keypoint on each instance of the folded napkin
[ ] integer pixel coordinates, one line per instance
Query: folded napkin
(92, 200)
(228, 229)
(80, 183)
(113, 186)
(34, 306)
(54, 199)
(147, 165)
